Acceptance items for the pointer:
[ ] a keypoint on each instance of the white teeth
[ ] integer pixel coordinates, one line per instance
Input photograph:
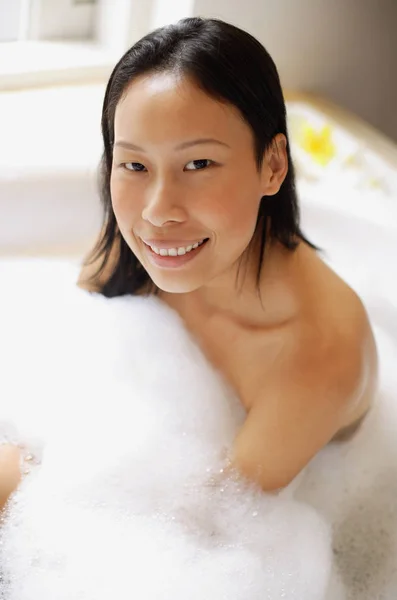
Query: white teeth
(175, 251)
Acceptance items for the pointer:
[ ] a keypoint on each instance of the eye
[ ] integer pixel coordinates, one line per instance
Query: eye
(200, 164)
(133, 166)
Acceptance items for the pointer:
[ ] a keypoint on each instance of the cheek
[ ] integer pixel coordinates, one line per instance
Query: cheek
(121, 199)
(234, 213)
(115, 193)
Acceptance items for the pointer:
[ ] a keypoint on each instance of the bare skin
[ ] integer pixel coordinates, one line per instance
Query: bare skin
(303, 361)
(10, 474)
(248, 353)
(310, 321)
(245, 352)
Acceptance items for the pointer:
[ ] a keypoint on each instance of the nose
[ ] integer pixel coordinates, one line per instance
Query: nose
(162, 206)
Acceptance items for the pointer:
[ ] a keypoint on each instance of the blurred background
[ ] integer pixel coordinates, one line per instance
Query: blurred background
(338, 58)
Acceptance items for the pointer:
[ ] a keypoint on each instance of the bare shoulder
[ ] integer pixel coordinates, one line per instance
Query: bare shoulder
(321, 377)
(321, 384)
(339, 340)
(10, 472)
(360, 356)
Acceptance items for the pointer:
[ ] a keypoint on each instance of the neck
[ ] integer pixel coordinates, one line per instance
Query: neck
(240, 300)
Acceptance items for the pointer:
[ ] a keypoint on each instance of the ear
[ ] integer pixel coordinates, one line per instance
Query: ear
(275, 165)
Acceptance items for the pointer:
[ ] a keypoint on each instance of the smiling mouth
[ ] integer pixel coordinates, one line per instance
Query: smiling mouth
(177, 250)
(175, 260)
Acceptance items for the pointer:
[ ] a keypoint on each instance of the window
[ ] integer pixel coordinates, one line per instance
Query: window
(12, 20)
(63, 19)
(61, 41)
(47, 19)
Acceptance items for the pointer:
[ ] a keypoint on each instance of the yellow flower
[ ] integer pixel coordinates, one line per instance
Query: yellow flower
(318, 144)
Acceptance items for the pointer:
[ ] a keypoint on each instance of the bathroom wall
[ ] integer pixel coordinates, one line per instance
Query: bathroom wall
(344, 50)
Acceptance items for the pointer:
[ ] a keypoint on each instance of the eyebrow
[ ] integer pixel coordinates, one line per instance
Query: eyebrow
(130, 146)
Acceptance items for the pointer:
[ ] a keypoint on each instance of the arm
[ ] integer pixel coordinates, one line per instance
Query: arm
(301, 409)
(10, 472)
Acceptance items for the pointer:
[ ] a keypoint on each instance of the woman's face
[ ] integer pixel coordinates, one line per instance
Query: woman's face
(183, 172)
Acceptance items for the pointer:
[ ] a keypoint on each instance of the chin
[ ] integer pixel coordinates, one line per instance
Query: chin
(172, 285)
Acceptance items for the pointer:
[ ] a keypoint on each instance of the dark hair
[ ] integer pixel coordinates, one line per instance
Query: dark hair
(229, 65)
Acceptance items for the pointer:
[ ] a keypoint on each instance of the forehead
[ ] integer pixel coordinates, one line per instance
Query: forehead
(169, 107)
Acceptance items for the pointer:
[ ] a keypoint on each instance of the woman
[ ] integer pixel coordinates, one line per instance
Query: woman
(200, 208)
